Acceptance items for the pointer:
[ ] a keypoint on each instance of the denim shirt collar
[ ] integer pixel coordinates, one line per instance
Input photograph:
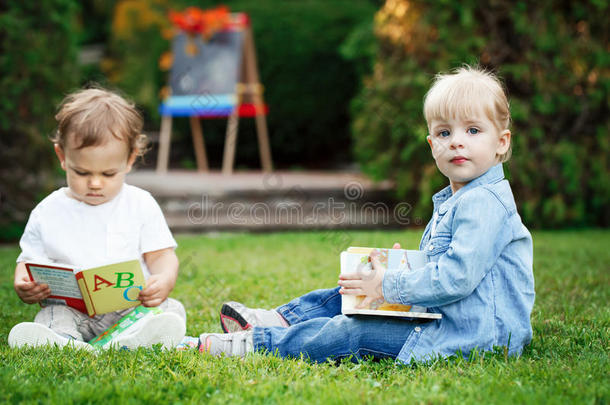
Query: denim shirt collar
(442, 199)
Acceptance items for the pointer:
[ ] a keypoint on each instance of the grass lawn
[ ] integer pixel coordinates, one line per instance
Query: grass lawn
(567, 361)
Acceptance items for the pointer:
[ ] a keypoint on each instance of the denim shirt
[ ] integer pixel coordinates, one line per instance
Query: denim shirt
(478, 274)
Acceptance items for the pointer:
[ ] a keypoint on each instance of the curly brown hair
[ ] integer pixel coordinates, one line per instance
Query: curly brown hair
(90, 116)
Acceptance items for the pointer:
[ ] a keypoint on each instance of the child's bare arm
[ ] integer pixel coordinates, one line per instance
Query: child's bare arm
(367, 284)
(163, 266)
(27, 290)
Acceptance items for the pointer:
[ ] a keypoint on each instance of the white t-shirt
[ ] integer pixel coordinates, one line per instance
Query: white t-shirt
(64, 230)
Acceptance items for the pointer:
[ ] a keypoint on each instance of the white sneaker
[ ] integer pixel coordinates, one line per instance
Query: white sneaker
(235, 317)
(36, 334)
(229, 344)
(167, 329)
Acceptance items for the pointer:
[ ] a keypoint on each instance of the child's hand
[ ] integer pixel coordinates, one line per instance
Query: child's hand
(30, 292)
(367, 283)
(157, 290)
(163, 266)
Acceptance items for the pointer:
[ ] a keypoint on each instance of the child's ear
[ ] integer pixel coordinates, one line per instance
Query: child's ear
(60, 155)
(132, 159)
(503, 142)
(429, 139)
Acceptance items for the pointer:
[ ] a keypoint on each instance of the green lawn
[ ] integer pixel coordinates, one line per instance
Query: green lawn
(567, 361)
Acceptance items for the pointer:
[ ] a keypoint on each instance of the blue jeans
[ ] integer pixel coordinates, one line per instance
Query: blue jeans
(319, 331)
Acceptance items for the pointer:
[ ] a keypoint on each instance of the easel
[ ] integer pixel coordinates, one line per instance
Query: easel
(249, 103)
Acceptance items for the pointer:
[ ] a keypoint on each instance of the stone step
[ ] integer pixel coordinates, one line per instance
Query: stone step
(279, 201)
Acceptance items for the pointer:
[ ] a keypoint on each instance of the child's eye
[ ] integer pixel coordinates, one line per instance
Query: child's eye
(444, 133)
(473, 131)
(109, 174)
(78, 172)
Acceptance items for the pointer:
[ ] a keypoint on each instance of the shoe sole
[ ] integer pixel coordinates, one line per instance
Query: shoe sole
(231, 321)
(167, 329)
(36, 335)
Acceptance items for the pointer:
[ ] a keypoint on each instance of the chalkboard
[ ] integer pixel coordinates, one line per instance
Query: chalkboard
(204, 82)
(215, 67)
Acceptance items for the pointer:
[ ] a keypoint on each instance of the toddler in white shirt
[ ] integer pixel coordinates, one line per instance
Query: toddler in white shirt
(98, 219)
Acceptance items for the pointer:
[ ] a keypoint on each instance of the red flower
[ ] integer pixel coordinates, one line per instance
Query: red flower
(194, 20)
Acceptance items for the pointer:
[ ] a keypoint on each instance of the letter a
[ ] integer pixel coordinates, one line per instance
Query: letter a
(97, 280)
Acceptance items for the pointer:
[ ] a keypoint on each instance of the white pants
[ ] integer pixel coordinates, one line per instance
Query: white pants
(71, 322)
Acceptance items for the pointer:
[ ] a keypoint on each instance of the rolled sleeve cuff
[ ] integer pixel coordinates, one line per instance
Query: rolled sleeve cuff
(390, 286)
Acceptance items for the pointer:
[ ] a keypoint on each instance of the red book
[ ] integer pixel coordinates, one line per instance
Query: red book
(94, 291)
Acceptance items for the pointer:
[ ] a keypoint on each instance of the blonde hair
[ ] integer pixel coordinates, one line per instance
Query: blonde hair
(90, 116)
(465, 92)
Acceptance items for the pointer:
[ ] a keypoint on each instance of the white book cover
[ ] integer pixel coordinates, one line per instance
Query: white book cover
(357, 260)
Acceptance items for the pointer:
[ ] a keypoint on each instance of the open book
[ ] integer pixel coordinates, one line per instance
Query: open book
(356, 260)
(94, 291)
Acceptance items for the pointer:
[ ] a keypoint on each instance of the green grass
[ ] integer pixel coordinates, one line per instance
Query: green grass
(567, 361)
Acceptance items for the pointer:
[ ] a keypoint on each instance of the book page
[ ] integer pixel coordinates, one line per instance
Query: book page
(356, 260)
(61, 280)
(115, 286)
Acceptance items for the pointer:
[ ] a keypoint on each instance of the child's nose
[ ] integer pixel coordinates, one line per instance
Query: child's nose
(95, 182)
(457, 140)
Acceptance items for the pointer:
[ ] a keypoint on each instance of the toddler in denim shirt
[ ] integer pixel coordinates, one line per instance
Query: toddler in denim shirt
(479, 269)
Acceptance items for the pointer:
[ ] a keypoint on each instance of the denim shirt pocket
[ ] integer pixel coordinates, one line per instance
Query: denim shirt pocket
(437, 245)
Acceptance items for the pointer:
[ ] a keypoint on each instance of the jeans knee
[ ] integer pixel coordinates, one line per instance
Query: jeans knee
(339, 337)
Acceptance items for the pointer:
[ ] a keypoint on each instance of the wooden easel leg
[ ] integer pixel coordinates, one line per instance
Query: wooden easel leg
(251, 74)
(230, 141)
(263, 142)
(164, 143)
(198, 144)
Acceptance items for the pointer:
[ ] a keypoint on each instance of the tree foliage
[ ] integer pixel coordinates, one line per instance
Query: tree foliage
(37, 67)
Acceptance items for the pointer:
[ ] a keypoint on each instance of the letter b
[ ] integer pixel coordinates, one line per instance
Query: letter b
(124, 277)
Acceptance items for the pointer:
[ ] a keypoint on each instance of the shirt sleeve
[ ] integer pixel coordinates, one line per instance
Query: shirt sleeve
(155, 233)
(479, 236)
(32, 247)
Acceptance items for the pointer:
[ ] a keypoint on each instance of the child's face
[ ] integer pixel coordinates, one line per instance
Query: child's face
(464, 149)
(95, 174)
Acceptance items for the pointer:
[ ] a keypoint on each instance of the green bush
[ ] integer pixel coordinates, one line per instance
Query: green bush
(308, 85)
(37, 67)
(554, 61)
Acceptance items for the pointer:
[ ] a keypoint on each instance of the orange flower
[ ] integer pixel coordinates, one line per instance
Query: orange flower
(166, 61)
(194, 20)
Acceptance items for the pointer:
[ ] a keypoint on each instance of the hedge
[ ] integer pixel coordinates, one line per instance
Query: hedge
(554, 60)
(37, 67)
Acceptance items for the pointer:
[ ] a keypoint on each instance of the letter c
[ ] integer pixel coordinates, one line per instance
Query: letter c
(125, 293)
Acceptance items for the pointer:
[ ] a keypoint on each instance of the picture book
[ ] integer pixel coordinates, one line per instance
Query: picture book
(124, 326)
(94, 291)
(356, 259)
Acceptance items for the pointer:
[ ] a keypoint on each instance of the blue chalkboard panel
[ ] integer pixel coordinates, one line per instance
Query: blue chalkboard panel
(204, 82)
